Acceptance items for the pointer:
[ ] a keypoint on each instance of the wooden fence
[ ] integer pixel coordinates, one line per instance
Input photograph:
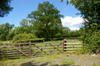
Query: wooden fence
(71, 47)
(17, 50)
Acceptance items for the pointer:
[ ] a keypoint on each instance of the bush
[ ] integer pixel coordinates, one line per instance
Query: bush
(91, 38)
(23, 36)
(32, 40)
(92, 42)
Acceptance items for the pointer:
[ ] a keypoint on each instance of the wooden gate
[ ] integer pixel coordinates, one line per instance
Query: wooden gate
(17, 50)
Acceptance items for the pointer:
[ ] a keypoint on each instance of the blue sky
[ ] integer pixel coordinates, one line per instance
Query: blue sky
(24, 7)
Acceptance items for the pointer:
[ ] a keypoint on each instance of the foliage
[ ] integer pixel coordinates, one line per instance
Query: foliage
(92, 38)
(4, 31)
(47, 20)
(25, 23)
(23, 36)
(32, 40)
(90, 11)
(5, 7)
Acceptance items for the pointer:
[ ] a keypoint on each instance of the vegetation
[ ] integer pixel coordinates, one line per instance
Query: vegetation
(23, 36)
(5, 7)
(46, 20)
(4, 31)
(90, 11)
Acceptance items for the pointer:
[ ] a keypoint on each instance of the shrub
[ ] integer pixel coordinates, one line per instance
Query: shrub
(23, 36)
(91, 38)
(32, 40)
(92, 42)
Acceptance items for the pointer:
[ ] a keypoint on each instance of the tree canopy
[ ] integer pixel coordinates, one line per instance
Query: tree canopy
(4, 30)
(47, 19)
(5, 7)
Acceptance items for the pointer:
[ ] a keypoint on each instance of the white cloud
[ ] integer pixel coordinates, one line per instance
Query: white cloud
(72, 22)
(69, 21)
(74, 28)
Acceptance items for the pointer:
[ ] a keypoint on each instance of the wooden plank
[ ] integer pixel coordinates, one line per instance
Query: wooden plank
(49, 51)
(15, 43)
(12, 47)
(39, 49)
(12, 55)
(74, 43)
(46, 42)
(46, 48)
(50, 45)
(71, 49)
(15, 53)
(73, 46)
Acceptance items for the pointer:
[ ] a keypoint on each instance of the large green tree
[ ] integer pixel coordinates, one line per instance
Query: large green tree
(5, 7)
(4, 30)
(47, 19)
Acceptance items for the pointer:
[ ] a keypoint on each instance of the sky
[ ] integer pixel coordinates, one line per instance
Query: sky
(21, 9)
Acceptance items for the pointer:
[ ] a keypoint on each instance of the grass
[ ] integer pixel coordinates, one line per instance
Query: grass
(6, 41)
(54, 59)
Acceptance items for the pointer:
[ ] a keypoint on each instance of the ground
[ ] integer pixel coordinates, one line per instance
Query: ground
(61, 59)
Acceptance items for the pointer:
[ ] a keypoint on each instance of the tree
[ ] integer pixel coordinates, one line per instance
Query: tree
(66, 32)
(25, 23)
(4, 30)
(5, 7)
(47, 19)
(90, 11)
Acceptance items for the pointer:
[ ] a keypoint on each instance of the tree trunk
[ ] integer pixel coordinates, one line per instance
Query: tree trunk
(52, 35)
(46, 35)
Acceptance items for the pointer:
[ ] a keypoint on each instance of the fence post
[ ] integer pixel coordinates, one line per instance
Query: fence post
(29, 48)
(64, 41)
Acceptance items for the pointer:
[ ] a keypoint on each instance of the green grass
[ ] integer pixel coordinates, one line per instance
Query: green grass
(6, 41)
(52, 59)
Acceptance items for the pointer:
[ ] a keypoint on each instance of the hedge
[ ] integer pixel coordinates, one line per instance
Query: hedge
(32, 40)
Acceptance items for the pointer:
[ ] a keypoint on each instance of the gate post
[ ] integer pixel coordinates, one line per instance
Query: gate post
(64, 41)
(29, 48)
